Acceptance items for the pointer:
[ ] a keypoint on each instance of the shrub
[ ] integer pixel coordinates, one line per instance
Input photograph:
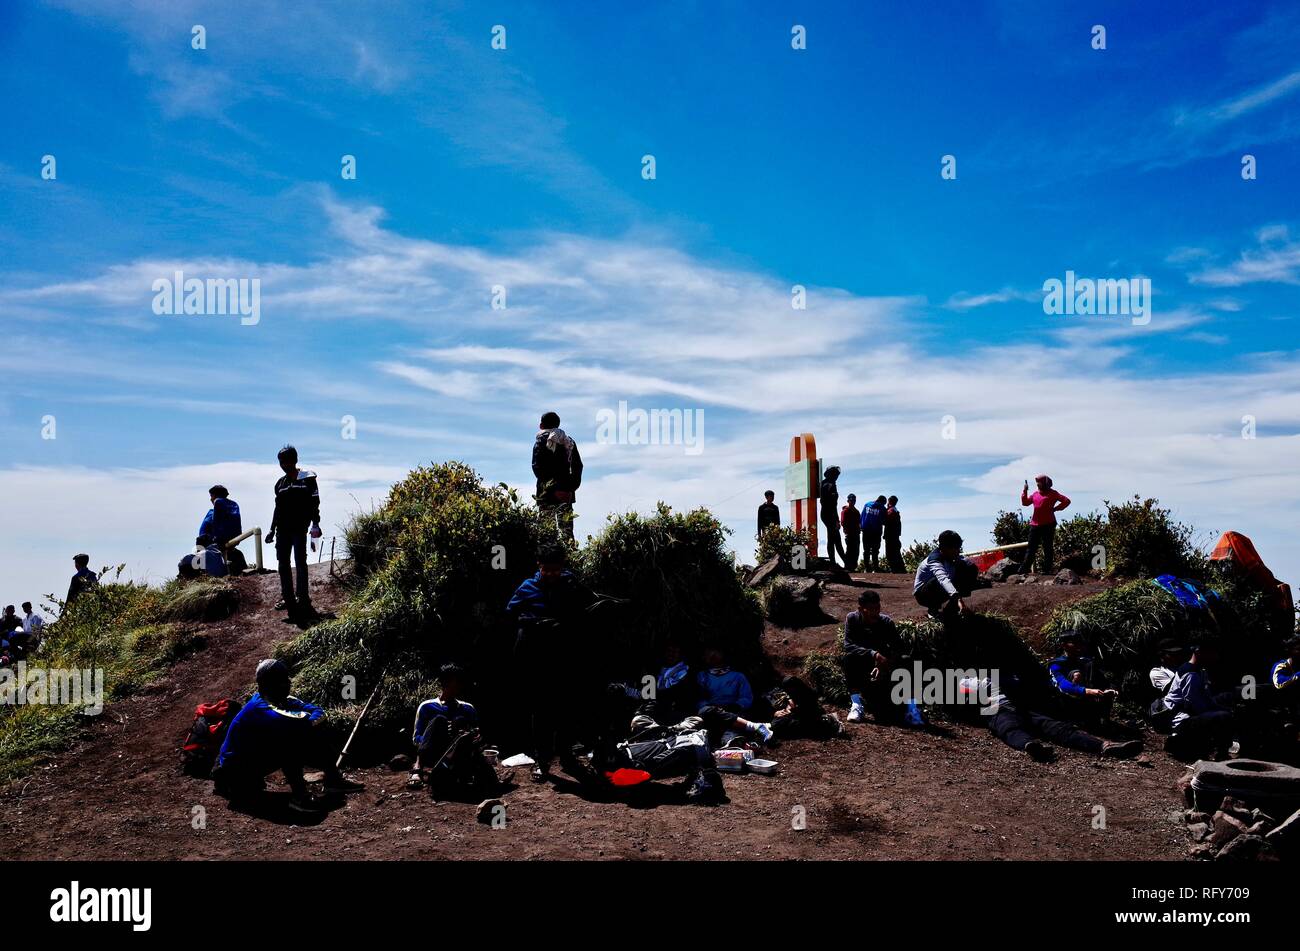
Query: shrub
(201, 600)
(779, 541)
(1010, 528)
(823, 673)
(785, 609)
(1142, 540)
(917, 552)
(1076, 537)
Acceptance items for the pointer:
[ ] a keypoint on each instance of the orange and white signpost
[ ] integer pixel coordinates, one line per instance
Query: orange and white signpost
(803, 477)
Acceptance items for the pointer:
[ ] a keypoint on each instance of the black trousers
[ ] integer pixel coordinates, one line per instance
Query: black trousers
(1203, 734)
(1039, 535)
(851, 540)
(871, 549)
(545, 671)
(310, 746)
(934, 596)
(295, 544)
(875, 694)
(1017, 727)
(833, 544)
(894, 554)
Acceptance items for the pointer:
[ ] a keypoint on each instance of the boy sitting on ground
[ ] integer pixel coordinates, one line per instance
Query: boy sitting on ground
(720, 686)
(276, 730)
(446, 736)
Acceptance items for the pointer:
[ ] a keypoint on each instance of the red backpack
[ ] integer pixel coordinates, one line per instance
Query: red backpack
(206, 734)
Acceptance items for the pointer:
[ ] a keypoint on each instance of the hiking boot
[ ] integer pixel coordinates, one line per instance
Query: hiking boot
(706, 791)
(540, 772)
(1038, 751)
(1113, 749)
(341, 784)
(304, 803)
(856, 712)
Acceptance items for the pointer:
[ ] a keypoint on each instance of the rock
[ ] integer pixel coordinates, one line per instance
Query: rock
(1185, 787)
(1016, 579)
(1247, 848)
(1199, 831)
(399, 763)
(489, 809)
(1067, 576)
(1234, 806)
(1259, 815)
(1226, 828)
(1286, 837)
(1204, 851)
(764, 571)
(832, 574)
(1002, 570)
(1193, 815)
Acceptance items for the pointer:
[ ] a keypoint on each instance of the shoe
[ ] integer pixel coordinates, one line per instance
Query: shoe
(1038, 751)
(304, 803)
(1121, 750)
(341, 784)
(281, 605)
(764, 732)
(540, 772)
(856, 712)
(706, 791)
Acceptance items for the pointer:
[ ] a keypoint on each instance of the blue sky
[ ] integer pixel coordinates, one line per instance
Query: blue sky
(522, 167)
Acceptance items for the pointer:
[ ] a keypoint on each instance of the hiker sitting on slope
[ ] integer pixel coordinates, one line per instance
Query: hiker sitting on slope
(223, 523)
(276, 730)
(944, 579)
(1025, 729)
(872, 646)
(720, 686)
(446, 736)
(1074, 675)
(1203, 722)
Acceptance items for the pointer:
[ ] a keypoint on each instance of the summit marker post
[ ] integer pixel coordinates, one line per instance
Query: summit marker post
(803, 477)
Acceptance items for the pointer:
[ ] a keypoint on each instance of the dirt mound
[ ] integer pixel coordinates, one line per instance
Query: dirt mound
(881, 793)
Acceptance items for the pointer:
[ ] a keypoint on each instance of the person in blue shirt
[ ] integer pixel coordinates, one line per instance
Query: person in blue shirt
(872, 524)
(1285, 677)
(1075, 676)
(449, 746)
(722, 687)
(223, 523)
(277, 731)
(207, 559)
(550, 613)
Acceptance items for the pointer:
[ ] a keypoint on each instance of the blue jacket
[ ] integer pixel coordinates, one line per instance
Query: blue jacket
(873, 517)
(464, 717)
(559, 600)
(222, 521)
(724, 687)
(1060, 669)
(262, 737)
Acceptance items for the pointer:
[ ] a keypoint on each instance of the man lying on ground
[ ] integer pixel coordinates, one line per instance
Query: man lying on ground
(944, 579)
(276, 730)
(1024, 729)
(449, 747)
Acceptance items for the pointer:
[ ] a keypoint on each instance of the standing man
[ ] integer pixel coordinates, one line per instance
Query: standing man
(1042, 526)
(82, 581)
(893, 536)
(830, 513)
(557, 464)
(297, 506)
(873, 523)
(769, 513)
(849, 516)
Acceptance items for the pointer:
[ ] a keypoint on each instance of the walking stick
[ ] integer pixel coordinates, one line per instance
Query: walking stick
(356, 726)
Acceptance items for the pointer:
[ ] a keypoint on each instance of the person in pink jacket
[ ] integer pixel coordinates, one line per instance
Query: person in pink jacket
(1042, 525)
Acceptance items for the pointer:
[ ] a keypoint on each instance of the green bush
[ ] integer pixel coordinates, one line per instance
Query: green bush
(1142, 540)
(1076, 537)
(1010, 528)
(116, 627)
(916, 553)
(779, 541)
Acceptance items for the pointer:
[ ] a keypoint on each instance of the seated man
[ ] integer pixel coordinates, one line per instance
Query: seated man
(206, 560)
(1203, 723)
(276, 730)
(1025, 729)
(720, 686)
(652, 751)
(872, 645)
(550, 611)
(673, 696)
(1075, 676)
(1172, 656)
(223, 523)
(446, 736)
(944, 579)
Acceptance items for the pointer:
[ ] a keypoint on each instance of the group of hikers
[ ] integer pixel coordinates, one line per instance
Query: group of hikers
(877, 521)
(20, 636)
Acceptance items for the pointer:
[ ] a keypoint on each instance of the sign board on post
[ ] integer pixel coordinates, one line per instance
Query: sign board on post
(802, 480)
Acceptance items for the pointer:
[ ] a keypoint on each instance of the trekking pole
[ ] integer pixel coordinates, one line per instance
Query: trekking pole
(361, 717)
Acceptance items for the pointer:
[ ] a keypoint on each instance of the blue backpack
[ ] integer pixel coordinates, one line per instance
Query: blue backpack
(1189, 593)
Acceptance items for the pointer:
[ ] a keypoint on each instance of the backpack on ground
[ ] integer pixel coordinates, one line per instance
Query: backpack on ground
(206, 734)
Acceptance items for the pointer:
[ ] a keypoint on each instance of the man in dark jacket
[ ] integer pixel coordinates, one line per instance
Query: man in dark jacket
(83, 580)
(893, 536)
(850, 521)
(769, 513)
(550, 611)
(872, 647)
(557, 464)
(830, 515)
(223, 523)
(297, 508)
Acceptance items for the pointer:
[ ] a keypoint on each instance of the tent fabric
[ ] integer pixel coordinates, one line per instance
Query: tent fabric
(1236, 547)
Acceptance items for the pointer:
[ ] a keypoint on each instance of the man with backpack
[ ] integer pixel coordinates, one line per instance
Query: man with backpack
(557, 464)
(893, 534)
(297, 508)
(84, 580)
(872, 524)
(276, 730)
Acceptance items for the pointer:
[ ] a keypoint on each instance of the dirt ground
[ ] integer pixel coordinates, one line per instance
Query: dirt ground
(880, 793)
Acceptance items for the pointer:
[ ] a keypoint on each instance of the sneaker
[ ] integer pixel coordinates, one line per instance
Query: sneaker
(280, 605)
(1038, 751)
(855, 713)
(341, 784)
(540, 772)
(1121, 750)
(706, 792)
(764, 732)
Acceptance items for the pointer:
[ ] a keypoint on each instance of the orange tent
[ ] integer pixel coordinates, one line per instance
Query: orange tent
(1240, 550)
